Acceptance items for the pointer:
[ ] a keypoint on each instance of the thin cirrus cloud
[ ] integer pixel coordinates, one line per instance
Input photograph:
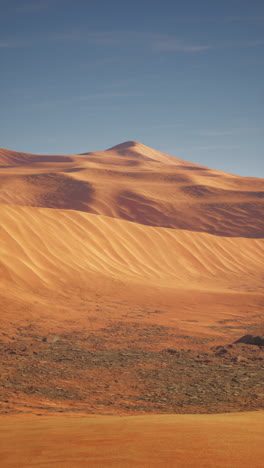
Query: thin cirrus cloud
(234, 131)
(89, 97)
(31, 8)
(218, 147)
(94, 37)
(254, 43)
(219, 19)
(12, 44)
(35, 6)
(133, 39)
(171, 44)
(245, 19)
(168, 125)
(153, 42)
(218, 133)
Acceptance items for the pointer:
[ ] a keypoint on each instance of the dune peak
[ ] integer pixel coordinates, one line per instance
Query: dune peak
(125, 145)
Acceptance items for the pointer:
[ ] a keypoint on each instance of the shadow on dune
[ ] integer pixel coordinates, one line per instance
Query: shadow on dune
(74, 169)
(192, 168)
(52, 159)
(57, 190)
(228, 219)
(198, 191)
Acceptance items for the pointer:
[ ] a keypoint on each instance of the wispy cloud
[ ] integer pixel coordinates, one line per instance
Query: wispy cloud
(231, 132)
(245, 19)
(195, 148)
(132, 40)
(168, 125)
(217, 147)
(105, 61)
(89, 97)
(217, 133)
(219, 19)
(154, 42)
(34, 6)
(11, 44)
(94, 37)
(249, 43)
(171, 44)
(118, 84)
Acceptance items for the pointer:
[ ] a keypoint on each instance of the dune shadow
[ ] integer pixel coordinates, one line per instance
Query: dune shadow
(57, 190)
(225, 218)
(50, 159)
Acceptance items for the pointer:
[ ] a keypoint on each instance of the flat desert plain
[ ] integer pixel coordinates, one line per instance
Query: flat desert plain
(127, 278)
(222, 440)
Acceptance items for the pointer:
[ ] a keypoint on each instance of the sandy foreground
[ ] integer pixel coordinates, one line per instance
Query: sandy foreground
(223, 440)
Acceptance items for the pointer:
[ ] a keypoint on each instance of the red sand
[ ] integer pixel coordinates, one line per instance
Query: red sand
(226, 440)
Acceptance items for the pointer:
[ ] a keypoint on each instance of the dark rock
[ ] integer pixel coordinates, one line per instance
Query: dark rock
(172, 351)
(257, 340)
(220, 350)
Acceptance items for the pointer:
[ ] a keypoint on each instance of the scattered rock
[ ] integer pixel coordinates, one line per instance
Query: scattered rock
(257, 340)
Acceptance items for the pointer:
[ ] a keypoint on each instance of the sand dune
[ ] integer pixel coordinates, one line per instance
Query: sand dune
(43, 245)
(136, 183)
(10, 158)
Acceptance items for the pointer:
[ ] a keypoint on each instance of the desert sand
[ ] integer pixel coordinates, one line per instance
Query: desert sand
(126, 277)
(232, 440)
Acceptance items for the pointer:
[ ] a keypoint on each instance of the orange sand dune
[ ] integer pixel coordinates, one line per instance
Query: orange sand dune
(42, 244)
(208, 441)
(136, 183)
(62, 250)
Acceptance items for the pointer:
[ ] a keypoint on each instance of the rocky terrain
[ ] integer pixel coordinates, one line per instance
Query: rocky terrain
(90, 373)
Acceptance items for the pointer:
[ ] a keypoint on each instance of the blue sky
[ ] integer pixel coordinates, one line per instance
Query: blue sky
(185, 78)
